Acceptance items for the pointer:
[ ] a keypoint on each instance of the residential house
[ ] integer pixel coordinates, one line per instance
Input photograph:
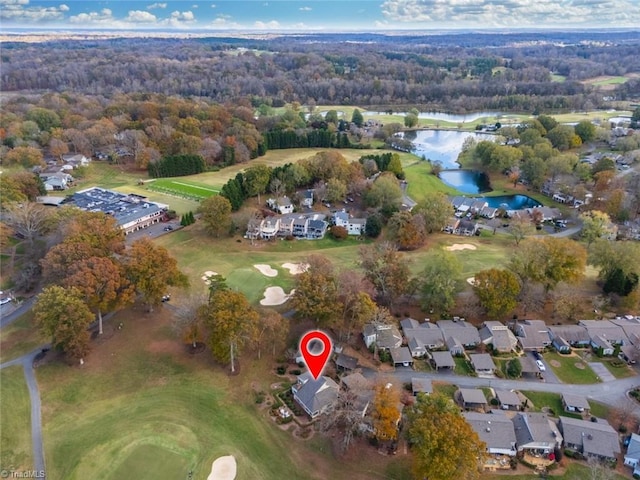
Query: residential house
(532, 335)
(401, 356)
(631, 327)
(482, 363)
(307, 198)
(466, 227)
(384, 336)
(496, 431)
(462, 204)
(488, 212)
(357, 226)
(341, 219)
(452, 225)
(603, 346)
(536, 433)
(281, 205)
(421, 337)
(548, 214)
(286, 225)
(56, 181)
(315, 396)
(269, 227)
(575, 403)
(346, 363)
(605, 334)
(529, 366)
(499, 336)
(478, 205)
(361, 388)
(472, 399)
(597, 440)
(632, 457)
(299, 226)
(509, 400)
(76, 160)
(316, 228)
(421, 385)
(455, 347)
(440, 360)
(462, 332)
(564, 337)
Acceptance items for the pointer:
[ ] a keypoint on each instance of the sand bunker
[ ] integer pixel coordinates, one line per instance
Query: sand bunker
(206, 275)
(460, 246)
(471, 280)
(275, 296)
(223, 468)
(266, 270)
(295, 268)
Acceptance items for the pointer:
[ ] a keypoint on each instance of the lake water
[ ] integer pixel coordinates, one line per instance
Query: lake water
(466, 181)
(445, 117)
(512, 202)
(442, 145)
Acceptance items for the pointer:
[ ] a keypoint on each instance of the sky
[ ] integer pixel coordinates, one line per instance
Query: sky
(319, 15)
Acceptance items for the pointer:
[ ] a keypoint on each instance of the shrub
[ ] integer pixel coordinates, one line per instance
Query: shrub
(281, 370)
(339, 233)
(296, 372)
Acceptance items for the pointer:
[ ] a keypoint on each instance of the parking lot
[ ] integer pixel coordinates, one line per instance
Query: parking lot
(155, 230)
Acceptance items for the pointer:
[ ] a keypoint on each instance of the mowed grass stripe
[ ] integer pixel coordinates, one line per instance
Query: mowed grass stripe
(182, 188)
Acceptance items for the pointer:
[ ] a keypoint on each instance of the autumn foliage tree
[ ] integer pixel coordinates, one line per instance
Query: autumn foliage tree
(385, 411)
(231, 322)
(497, 291)
(385, 268)
(151, 269)
(444, 445)
(317, 291)
(216, 215)
(62, 314)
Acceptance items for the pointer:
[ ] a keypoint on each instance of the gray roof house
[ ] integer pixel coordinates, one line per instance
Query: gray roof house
(482, 363)
(497, 334)
(575, 403)
(571, 335)
(346, 362)
(421, 385)
(536, 432)
(401, 356)
(532, 334)
(606, 330)
(307, 198)
(592, 439)
(472, 398)
(508, 399)
(442, 360)
(421, 337)
(361, 388)
(496, 431)
(315, 396)
(632, 457)
(462, 331)
(384, 336)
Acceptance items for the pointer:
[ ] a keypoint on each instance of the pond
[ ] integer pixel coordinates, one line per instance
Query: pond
(512, 202)
(442, 145)
(466, 181)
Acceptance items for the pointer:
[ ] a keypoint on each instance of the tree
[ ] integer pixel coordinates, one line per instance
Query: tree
(336, 190)
(373, 228)
(355, 300)
(533, 171)
(346, 413)
(272, 329)
(585, 130)
(560, 165)
(410, 120)
(595, 225)
(561, 137)
(386, 270)
(62, 314)
(232, 324)
(438, 282)
(549, 123)
(28, 219)
(385, 193)
(216, 215)
(407, 230)
(357, 118)
(25, 156)
(316, 292)
(497, 291)
(444, 445)
(519, 228)
(514, 368)
(256, 180)
(151, 270)
(435, 208)
(385, 412)
(187, 323)
(103, 284)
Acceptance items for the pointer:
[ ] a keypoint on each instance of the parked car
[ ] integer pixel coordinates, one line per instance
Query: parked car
(166, 298)
(541, 365)
(168, 228)
(537, 355)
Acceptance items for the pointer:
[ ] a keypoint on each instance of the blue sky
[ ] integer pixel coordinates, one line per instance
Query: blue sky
(319, 15)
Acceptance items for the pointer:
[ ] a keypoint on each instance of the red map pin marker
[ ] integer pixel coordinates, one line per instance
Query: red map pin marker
(316, 348)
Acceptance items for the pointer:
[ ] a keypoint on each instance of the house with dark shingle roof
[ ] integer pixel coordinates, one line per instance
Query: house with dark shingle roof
(421, 385)
(632, 457)
(564, 337)
(401, 356)
(536, 432)
(596, 440)
(575, 403)
(384, 336)
(509, 400)
(345, 362)
(466, 334)
(482, 363)
(472, 398)
(499, 336)
(532, 335)
(442, 360)
(315, 396)
(496, 431)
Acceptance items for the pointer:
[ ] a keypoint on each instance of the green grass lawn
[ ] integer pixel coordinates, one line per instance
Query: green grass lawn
(550, 400)
(15, 418)
(420, 180)
(445, 389)
(608, 81)
(558, 78)
(182, 188)
(568, 372)
(617, 368)
(463, 366)
(574, 471)
(19, 338)
(151, 462)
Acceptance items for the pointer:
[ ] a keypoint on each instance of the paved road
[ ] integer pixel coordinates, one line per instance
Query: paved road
(36, 415)
(611, 393)
(16, 313)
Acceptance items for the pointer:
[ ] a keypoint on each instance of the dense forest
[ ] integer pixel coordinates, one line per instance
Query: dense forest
(454, 72)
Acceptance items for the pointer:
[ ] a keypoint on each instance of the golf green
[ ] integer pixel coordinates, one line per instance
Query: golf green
(150, 462)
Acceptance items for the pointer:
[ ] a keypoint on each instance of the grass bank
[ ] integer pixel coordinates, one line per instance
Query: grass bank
(15, 418)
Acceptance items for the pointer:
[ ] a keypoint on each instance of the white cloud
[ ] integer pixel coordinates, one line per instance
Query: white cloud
(180, 19)
(140, 16)
(104, 17)
(512, 13)
(156, 5)
(213, 5)
(305, 9)
(273, 24)
(18, 12)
